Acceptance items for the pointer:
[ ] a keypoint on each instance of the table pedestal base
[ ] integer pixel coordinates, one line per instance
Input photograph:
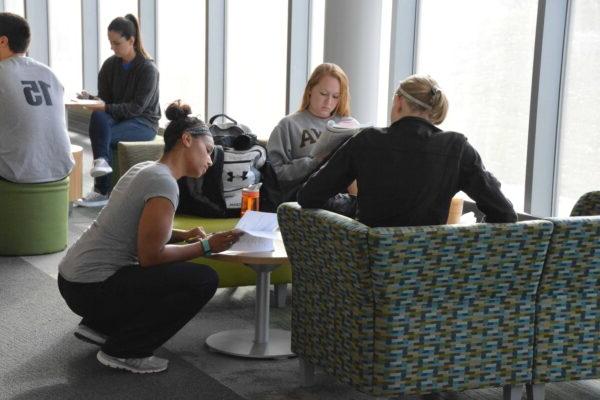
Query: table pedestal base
(240, 342)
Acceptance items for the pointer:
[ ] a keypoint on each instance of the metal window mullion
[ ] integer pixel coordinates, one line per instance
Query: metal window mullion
(36, 13)
(216, 50)
(298, 52)
(147, 13)
(403, 47)
(544, 117)
(90, 44)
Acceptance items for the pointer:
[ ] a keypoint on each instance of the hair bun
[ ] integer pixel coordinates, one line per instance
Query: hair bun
(177, 110)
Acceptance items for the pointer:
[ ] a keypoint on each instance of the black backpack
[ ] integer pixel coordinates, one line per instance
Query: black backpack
(237, 161)
(231, 134)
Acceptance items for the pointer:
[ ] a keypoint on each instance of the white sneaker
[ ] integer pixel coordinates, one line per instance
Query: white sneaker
(144, 365)
(92, 199)
(87, 334)
(100, 168)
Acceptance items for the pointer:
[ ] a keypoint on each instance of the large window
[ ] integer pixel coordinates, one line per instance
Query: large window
(65, 43)
(579, 163)
(107, 11)
(481, 54)
(15, 7)
(256, 62)
(181, 53)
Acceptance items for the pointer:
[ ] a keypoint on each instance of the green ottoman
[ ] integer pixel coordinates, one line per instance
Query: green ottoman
(33, 217)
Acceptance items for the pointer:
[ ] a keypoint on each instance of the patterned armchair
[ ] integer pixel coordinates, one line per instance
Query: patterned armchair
(414, 310)
(567, 343)
(588, 204)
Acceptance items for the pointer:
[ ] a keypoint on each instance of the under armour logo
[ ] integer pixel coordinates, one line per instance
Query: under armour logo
(243, 176)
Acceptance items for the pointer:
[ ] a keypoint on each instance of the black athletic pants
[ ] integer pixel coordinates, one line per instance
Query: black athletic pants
(140, 308)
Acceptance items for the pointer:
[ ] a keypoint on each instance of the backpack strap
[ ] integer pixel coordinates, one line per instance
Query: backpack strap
(214, 117)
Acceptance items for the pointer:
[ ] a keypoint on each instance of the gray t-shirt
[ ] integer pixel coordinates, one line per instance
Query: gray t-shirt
(110, 242)
(34, 144)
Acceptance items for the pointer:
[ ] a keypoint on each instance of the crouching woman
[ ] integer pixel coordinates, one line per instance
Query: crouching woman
(125, 276)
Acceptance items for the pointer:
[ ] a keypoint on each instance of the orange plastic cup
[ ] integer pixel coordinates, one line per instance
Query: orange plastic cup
(250, 200)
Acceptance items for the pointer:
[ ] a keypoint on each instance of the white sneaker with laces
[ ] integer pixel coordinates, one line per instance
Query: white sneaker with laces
(100, 167)
(92, 199)
(144, 365)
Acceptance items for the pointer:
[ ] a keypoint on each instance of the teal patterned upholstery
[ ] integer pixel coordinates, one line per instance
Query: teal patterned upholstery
(588, 204)
(331, 326)
(568, 311)
(410, 310)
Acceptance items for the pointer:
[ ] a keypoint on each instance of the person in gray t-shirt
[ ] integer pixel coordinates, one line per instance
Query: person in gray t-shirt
(132, 287)
(35, 146)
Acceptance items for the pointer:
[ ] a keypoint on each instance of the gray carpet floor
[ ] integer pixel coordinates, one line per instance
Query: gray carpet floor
(41, 359)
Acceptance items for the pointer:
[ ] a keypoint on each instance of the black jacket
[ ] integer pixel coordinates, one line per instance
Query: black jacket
(407, 175)
(132, 93)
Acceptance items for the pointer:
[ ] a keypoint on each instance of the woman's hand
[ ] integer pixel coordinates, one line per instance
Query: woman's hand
(193, 235)
(101, 106)
(85, 95)
(223, 240)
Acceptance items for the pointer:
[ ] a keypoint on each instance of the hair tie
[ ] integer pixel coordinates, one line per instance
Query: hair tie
(412, 99)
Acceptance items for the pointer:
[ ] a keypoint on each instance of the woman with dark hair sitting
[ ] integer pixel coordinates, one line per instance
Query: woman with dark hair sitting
(132, 286)
(129, 108)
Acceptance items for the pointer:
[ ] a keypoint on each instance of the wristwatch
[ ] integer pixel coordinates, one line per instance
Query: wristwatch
(206, 247)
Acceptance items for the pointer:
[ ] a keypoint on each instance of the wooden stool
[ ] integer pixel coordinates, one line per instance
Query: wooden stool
(76, 176)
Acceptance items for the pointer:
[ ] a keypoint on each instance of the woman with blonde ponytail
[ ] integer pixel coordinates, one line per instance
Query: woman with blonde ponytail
(408, 173)
(128, 109)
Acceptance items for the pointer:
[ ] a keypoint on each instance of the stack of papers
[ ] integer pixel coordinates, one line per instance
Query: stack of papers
(260, 229)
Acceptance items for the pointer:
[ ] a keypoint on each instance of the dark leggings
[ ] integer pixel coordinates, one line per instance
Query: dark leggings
(140, 308)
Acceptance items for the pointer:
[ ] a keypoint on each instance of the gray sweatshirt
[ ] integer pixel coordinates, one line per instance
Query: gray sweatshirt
(34, 143)
(130, 93)
(289, 150)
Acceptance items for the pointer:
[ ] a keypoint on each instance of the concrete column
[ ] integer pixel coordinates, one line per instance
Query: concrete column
(544, 127)
(352, 29)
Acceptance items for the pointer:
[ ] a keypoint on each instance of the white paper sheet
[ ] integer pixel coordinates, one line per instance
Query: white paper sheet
(251, 244)
(260, 229)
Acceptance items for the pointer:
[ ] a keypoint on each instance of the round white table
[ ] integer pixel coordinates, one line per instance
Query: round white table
(261, 342)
